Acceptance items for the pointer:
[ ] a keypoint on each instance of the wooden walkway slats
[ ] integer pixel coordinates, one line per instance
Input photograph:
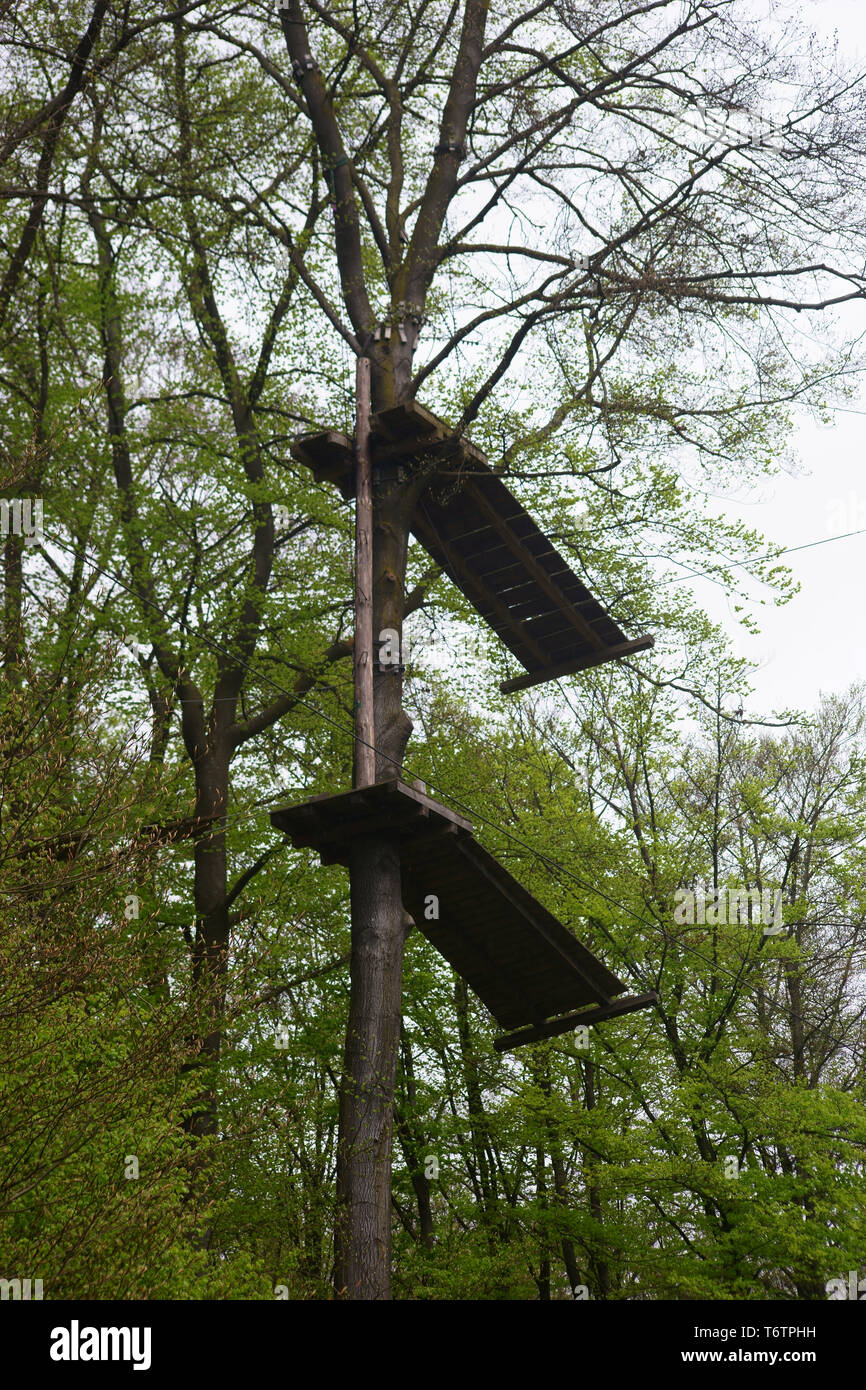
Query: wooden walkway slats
(520, 961)
(487, 543)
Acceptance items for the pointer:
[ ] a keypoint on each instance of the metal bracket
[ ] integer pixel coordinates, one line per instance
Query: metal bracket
(451, 147)
(302, 65)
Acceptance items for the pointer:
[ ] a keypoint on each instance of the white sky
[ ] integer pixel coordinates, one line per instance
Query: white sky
(817, 642)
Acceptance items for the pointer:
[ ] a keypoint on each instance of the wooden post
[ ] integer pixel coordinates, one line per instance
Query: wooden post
(362, 1231)
(365, 755)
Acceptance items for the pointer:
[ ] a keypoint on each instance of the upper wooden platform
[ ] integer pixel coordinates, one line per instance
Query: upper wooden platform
(486, 542)
(520, 961)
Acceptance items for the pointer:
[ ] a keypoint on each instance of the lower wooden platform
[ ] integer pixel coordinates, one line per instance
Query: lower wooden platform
(520, 961)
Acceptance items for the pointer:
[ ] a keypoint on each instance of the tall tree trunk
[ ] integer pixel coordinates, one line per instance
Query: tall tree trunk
(542, 1278)
(598, 1263)
(367, 1092)
(560, 1179)
(484, 1167)
(13, 625)
(363, 1224)
(210, 948)
(412, 1144)
(366, 1100)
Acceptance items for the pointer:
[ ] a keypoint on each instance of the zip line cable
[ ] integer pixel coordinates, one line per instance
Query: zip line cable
(544, 858)
(771, 555)
(747, 565)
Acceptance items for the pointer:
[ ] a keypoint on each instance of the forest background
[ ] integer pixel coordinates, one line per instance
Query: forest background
(582, 233)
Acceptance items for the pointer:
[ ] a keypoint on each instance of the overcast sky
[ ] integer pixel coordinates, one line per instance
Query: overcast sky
(817, 642)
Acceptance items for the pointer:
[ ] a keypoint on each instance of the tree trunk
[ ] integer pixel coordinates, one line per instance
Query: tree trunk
(542, 1278)
(484, 1170)
(13, 626)
(367, 1097)
(560, 1180)
(411, 1142)
(210, 948)
(598, 1263)
(363, 1221)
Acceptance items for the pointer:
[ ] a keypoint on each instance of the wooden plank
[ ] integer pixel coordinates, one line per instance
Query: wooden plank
(526, 603)
(482, 599)
(567, 1024)
(465, 528)
(462, 491)
(517, 957)
(330, 449)
(511, 965)
(596, 979)
(514, 525)
(331, 456)
(409, 419)
(568, 668)
(536, 570)
(401, 800)
(464, 951)
(555, 633)
(416, 455)
(560, 573)
(483, 550)
(463, 518)
(508, 576)
(561, 646)
(471, 456)
(334, 845)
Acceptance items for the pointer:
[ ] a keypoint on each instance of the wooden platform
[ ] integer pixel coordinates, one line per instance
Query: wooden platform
(486, 542)
(520, 961)
(406, 436)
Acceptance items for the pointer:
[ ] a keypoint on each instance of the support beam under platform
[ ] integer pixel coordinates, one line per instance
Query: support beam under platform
(554, 1026)
(520, 961)
(577, 663)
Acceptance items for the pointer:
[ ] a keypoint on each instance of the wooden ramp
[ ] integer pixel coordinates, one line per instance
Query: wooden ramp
(485, 541)
(520, 961)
